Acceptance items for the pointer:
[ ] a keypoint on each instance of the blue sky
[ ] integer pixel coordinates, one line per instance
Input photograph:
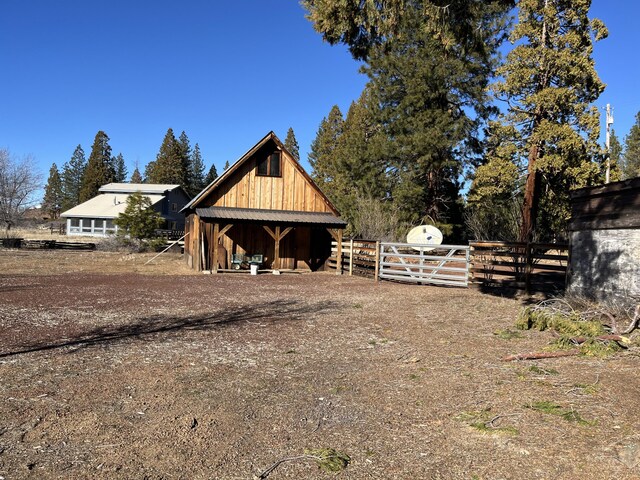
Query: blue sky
(225, 72)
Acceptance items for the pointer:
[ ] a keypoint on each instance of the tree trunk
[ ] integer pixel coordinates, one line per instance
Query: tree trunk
(531, 197)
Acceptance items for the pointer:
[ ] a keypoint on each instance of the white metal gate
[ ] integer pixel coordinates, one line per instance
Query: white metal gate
(417, 263)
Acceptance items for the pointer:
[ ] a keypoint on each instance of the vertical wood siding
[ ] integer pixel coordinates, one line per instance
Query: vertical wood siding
(291, 191)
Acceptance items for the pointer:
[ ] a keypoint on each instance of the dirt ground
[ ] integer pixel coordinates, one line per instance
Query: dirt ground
(110, 369)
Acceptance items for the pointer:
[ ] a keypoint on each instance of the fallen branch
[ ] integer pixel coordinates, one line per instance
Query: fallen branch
(614, 338)
(266, 472)
(540, 355)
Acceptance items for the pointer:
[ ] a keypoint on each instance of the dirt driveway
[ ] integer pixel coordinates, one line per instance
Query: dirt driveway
(131, 375)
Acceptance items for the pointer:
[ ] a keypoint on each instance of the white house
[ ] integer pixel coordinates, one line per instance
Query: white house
(95, 217)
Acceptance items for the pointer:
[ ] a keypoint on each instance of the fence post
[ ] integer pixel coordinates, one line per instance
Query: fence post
(528, 268)
(351, 257)
(468, 260)
(339, 254)
(377, 274)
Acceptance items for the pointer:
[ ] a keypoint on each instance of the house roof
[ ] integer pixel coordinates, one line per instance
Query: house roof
(152, 188)
(227, 173)
(105, 205)
(262, 215)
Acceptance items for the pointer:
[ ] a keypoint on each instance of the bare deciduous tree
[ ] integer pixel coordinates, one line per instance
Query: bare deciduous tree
(19, 182)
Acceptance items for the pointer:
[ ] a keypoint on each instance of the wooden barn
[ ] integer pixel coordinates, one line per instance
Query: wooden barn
(264, 209)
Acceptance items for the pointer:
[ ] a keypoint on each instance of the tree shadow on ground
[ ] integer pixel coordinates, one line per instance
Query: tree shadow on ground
(595, 271)
(535, 295)
(154, 327)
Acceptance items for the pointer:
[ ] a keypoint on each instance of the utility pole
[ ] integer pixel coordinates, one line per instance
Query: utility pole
(609, 121)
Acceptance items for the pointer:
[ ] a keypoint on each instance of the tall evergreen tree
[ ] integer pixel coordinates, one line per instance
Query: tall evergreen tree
(99, 169)
(72, 174)
(358, 162)
(364, 25)
(120, 169)
(168, 166)
(615, 157)
(198, 181)
(136, 177)
(211, 175)
(429, 63)
(184, 153)
(53, 193)
(291, 144)
(432, 99)
(226, 165)
(631, 157)
(322, 148)
(550, 83)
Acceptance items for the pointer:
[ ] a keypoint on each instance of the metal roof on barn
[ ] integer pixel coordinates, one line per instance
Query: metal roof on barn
(279, 216)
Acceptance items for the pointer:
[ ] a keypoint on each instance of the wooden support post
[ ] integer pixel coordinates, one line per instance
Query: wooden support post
(339, 253)
(203, 255)
(276, 255)
(377, 271)
(351, 257)
(214, 239)
(196, 243)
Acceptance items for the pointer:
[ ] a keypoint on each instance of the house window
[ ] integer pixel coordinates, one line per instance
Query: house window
(98, 225)
(174, 207)
(269, 166)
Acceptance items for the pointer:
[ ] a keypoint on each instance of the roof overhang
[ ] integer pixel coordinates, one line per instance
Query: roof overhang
(258, 215)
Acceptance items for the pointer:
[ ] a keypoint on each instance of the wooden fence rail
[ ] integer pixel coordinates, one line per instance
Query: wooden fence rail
(46, 244)
(358, 257)
(524, 266)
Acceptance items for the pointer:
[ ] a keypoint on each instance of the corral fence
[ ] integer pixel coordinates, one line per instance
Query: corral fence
(540, 267)
(416, 263)
(358, 257)
(534, 267)
(404, 262)
(169, 235)
(46, 244)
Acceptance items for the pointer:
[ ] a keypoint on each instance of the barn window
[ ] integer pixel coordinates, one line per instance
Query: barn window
(269, 165)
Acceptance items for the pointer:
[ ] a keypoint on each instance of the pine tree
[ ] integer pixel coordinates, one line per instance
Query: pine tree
(631, 156)
(364, 25)
(53, 194)
(99, 169)
(429, 63)
(139, 219)
(136, 177)
(357, 161)
(291, 144)
(322, 148)
(211, 175)
(120, 169)
(550, 84)
(615, 157)
(184, 154)
(198, 181)
(226, 165)
(168, 166)
(432, 98)
(72, 174)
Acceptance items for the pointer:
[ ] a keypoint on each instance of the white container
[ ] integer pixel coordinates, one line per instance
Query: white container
(254, 269)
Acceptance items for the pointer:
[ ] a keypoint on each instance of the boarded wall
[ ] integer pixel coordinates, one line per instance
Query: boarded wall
(605, 242)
